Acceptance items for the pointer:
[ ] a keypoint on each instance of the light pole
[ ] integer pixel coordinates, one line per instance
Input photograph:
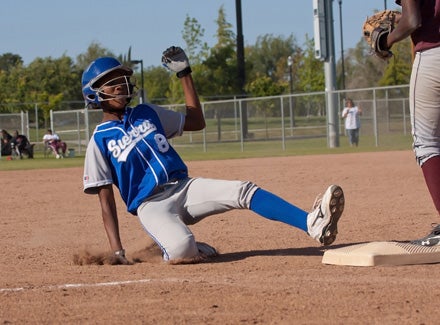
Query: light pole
(241, 71)
(342, 47)
(290, 65)
(142, 96)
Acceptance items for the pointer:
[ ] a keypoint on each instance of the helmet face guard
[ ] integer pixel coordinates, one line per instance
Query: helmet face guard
(121, 82)
(93, 94)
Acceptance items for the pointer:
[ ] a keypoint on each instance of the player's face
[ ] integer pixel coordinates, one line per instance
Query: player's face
(114, 90)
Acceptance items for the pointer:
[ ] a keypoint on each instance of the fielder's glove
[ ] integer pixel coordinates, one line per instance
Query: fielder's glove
(175, 59)
(376, 29)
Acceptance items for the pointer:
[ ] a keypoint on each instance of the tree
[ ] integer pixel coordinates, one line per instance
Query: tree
(362, 68)
(94, 51)
(310, 70)
(9, 60)
(268, 57)
(225, 35)
(157, 81)
(175, 92)
(53, 76)
(265, 86)
(311, 78)
(49, 82)
(398, 70)
(44, 80)
(11, 71)
(217, 76)
(11, 91)
(195, 48)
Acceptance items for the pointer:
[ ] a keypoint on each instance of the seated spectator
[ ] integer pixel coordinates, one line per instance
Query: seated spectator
(53, 141)
(20, 145)
(6, 143)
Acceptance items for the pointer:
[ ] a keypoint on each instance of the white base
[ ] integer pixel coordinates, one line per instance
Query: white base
(382, 253)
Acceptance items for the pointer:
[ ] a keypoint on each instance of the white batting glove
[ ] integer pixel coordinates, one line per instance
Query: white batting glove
(175, 59)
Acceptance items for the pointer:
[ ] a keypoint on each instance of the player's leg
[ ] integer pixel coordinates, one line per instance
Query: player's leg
(425, 121)
(63, 146)
(356, 137)
(21, 147)
(208, 196)
(431, 172)
(53, 146)
(350, 136)
(161, 217)
(425, 111)
(321, 223)
(161, 221)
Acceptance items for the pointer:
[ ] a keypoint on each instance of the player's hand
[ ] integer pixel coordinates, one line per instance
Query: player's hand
(175, 59)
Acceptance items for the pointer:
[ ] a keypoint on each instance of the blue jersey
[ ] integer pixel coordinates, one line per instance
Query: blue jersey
(134, 154)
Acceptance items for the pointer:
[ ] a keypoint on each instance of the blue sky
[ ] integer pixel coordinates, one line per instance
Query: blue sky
(51, 28)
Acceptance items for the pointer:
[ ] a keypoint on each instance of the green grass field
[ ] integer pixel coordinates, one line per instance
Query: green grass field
(235, 150)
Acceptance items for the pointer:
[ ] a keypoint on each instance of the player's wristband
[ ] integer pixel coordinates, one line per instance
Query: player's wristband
(184, 72)
(120, 253)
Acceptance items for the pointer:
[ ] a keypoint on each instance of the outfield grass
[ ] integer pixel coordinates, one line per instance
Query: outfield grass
(233, 150)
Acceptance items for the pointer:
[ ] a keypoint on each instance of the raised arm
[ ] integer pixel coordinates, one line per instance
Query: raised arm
(194, 119)
(175, 59)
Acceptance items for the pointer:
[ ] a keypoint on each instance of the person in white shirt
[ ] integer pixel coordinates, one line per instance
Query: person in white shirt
(351, 114)
(53, 141)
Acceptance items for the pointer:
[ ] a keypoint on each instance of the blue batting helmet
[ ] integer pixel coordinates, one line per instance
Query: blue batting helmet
(94, 72)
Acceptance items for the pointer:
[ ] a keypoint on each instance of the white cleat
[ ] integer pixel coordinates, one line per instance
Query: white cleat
(322, 222)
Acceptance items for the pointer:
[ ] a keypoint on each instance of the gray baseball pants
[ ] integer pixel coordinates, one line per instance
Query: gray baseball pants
(165, 215)
(424, 100)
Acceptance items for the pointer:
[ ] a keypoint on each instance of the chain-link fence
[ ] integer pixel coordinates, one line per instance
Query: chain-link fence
(15, 121)
(279, 119)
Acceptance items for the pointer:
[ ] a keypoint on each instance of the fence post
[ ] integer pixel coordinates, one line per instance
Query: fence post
(376, 135)
(283, 133)
(236, 118)
(51, 121)
(86, 121)
(204, 130)
(37, 126)
(22, 115)
(78, 132)
(404, 115)
(241, 124)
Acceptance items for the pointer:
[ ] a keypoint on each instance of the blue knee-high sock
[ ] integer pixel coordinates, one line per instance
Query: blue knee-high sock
(273, 207)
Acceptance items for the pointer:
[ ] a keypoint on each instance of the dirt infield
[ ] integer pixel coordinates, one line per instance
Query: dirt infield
(267, 273)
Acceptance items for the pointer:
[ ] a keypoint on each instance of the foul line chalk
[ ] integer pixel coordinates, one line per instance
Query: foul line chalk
(86, 285)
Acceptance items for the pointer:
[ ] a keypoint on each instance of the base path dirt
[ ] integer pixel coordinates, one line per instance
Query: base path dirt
(267, 273)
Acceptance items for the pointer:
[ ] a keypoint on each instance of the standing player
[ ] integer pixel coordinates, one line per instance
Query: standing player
(130, 150)
(421, 21)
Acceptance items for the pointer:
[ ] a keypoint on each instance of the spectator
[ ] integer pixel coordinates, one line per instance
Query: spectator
(20, 145)
(6, 143)
(53, 141)
(351, 114)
